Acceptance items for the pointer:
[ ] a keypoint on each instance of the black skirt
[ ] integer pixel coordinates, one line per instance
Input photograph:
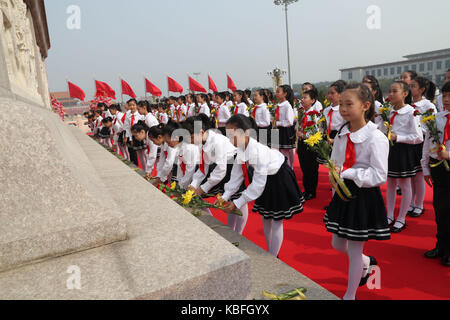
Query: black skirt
(287, 137)
(104, 133)
(264, 135)
(121, 136)
(281, 198)
(139, 145)
(220, 187)
(362, 218)
(403, 161)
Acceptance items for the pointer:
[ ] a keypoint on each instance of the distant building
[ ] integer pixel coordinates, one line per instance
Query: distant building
(432, 65)
(72, 106)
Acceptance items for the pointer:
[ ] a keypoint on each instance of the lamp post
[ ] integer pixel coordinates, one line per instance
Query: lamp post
(277, 77)
(286, 3)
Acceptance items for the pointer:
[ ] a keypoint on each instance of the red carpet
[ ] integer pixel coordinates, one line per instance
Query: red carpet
(405, 273)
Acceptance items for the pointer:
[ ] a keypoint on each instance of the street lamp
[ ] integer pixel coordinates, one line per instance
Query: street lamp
(286, 3)
(277, 77)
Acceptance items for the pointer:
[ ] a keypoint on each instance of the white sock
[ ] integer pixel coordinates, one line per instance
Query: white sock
(231, 221)
(405, 184)
(267, 226)
(419, 190)
(277, 237)
(355, 269)
(391, 195)
(241, 221)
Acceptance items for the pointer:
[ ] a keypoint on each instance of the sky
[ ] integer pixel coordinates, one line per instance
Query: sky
(245, 38)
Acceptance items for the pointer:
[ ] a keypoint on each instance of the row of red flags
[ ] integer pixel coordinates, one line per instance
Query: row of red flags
(104, 90)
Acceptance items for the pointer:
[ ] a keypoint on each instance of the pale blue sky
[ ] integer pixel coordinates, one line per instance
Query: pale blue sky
(243, 37)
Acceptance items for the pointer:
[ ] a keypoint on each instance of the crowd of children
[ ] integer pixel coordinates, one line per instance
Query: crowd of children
(242, 146)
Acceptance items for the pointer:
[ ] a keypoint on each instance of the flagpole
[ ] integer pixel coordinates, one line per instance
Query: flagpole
(145, 88)
(121, 89)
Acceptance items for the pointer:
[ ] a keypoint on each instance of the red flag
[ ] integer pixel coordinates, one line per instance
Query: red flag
(174, 86)
(212, 85)
(103, 89)
(126, 89)
(75, 91)
(231, 85)
(195, 86)
(152, 89)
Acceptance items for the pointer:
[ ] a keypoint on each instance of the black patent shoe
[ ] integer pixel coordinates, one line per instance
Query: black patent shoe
(398, 230)
(446, 261)
(373, 262)
(415, 214)
(309, 196)
(399, 191)
(433, 254)
(390, 222)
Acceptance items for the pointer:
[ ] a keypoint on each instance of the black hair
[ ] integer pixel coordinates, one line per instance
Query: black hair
(102, 104)
(114, 107)
(170, 127)
(412, 74)
(222, 95)
(339, 86)
(206, 98)
(269, 94)
(98, 112)
(107, 119)
(446, 87)
(144, 104)
(242, 94)
(429, 86)
(263, 94)
(139, 126)
(172, 98)
(132, 100)
(242, 122)
(374, 85)
(365, 95)
(228, 95)
(182, 98)
(289, 93)
(248, 93)
(85, 113)
(189, 124)
(313, 94)
(405, 88)
(313, 87)
(156, 131)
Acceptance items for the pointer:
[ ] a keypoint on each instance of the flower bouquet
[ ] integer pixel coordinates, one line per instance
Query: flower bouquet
(429, 119)
(321, 147)
(384, 113)
(188, 199)
(273, 107)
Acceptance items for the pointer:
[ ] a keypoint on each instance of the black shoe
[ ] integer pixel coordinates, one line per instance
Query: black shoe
(399, 191)
(433, 254)
(373, 262)
(309, 196)
(446, 260)
(410, 211)
(390, 223)
(415, 214)
(398, 230)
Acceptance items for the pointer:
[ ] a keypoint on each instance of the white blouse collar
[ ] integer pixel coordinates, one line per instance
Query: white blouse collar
(362, 134)
(406, 109)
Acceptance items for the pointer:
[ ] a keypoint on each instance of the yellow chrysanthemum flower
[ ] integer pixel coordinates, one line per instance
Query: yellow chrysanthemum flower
(173, 185)
(430, 118)
(187, 197)
(321, 120)
(384, 109)
(314, 139)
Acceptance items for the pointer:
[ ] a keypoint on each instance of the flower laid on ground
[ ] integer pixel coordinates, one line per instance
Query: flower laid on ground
(188, 199)
(296, 294)
(429, 120)
(323, 149)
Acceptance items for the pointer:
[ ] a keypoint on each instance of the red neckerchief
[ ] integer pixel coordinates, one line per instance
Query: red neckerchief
(447, 130)
(331, 120)
(393, 117)
(245, 172)
(202, 162)
(350, 156)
